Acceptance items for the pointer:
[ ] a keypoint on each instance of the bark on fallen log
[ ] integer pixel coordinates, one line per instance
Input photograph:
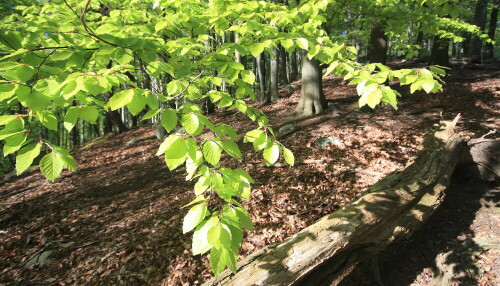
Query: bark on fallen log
(391, 209)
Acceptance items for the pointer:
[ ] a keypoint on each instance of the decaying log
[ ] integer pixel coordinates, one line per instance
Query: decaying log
(391, 209)
(483, 158)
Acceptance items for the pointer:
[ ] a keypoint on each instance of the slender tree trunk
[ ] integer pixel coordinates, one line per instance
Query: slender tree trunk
(489, 49)
(74, 137)
(273, 87)
(282, 66)
(293, 66)
(312, 99)
(439, 53)
(261, 73)
(377, 52)
(480, 21)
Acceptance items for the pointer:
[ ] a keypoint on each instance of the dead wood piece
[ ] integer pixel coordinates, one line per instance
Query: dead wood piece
(391, 209)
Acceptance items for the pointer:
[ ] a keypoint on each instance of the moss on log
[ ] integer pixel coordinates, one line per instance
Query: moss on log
(391, 209)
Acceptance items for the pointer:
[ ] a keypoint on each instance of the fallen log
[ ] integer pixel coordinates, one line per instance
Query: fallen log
(391, 209)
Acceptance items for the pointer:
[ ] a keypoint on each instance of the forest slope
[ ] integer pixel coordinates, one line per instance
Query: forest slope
(118, 219)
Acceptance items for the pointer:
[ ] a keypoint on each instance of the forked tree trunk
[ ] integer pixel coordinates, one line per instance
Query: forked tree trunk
(312, 100)
(391, 209)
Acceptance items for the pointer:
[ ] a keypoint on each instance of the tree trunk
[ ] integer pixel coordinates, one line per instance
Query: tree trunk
(293, 66)
(273, 87)
(312, 100)
(261, 74)
(439, 53)
(377, 52)
(389, 210)
(283, 75)
(480, 21)
(489, 49)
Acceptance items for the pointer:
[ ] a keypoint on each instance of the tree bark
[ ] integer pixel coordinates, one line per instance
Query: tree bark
(439, 53)
(377, 52)
(261, 73)
(273, 88)
(312, 99)
(480, 21)
(283, 75)
(489, 49)
(389, 210)
(293, 66)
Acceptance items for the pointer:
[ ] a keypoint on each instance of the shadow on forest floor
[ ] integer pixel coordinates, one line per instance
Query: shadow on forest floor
(455, 247)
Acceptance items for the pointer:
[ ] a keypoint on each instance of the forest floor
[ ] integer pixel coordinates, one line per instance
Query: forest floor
(117, 220)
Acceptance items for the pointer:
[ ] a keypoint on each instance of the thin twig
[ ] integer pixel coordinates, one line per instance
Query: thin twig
(189, 84)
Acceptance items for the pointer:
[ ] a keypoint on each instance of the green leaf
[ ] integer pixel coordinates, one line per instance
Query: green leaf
(231, 148)
(5, 119)
(174, 87)
(137, 104)
(68, 160)
(70, 89)
(302, 43)
(256, 49)
(201, 186)
(222, 257)
(25, 73)
(194, 216)
(176, 152)
(219, 235)
(166, 143)
(168, 119)
(212, 152)
(161, 25)
(200, 236)
(196, 200)
(287, 43)
(122, 56)
(252, 135)
(51, 166)
(14, 143)
(89, 114)
(216, 81)
(120, 99)
(25, 157)
(93, 86)
(428, 85)
(48, 119)
(7, 91)
(289, 158)
(438, 71)
(237, 66)
(151, 113)
(390, 97)
(374, 98)
(271, 154)
(244, 218)
(13, 127)
(416, 86)
(191, 123)
(248, 76)
(71, 117)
